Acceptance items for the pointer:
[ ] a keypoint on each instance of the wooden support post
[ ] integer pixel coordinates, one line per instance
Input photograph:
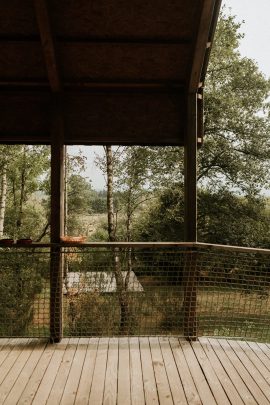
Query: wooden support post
(190, 295)
(57, 219)
(190, 271)
(190, 162)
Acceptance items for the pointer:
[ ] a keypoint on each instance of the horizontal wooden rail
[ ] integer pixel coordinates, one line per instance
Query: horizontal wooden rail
(194, 245)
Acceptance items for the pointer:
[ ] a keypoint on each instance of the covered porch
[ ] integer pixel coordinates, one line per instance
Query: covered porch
(188, 326)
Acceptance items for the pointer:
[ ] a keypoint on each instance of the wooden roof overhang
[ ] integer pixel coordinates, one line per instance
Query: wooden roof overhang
(122, 70)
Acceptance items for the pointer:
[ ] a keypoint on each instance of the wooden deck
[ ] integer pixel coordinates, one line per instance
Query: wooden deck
(134, 371)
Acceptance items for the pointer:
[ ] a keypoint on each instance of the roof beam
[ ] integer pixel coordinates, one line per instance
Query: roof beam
(201, 43)
(48, 46)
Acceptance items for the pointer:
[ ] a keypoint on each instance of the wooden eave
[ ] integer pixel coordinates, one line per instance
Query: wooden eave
(123, 70)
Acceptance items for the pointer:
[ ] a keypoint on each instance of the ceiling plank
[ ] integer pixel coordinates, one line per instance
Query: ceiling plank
(48, 46)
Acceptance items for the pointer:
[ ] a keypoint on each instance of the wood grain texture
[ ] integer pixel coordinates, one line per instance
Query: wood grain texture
(136, 371)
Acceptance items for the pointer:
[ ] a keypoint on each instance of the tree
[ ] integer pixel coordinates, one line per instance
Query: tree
(236, 150)
(233, 163)
(224, 218)
(3, 188)
(25, 168)
(135, 182)
(79, 197)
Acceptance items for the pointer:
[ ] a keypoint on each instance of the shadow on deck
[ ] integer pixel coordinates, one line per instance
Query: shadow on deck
(137, 370)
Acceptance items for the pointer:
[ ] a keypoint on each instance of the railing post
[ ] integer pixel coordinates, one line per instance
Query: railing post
(190, 295)
(57, 219)
(56, 282)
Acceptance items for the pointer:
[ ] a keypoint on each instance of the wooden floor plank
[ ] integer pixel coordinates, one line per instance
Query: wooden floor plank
(85, 383)
(3, 342)
(177, 390)
(210, 375)
(164, 391)
(97, 388)
(256, 361)
(48, 379)
(223, 377)
(136, 378)
(236, 379)
(260, 353)
(15, 371)
(72, 382)
(149, 383)
(36, 378)
(250, 367)
(123, 394)
(110, 391)
(197, 374)
(68, 349)
(190, 389)
(265, 348)
(6, 347)
(17, 346)
(135, 371)
(246, 377)
(26, 373)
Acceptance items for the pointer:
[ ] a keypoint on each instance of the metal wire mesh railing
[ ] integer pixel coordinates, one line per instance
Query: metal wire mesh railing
(123, 291)
(234, 293)
(136, 289)
(24, 292)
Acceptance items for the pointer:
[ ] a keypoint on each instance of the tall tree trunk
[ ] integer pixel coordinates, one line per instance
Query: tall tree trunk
(3, 198)
(129, 231)
(110, 205)
(120, 282)
(22, 193)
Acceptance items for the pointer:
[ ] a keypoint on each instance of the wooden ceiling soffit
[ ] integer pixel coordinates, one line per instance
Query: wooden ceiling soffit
(203, 40)
(144, 118)
(123, 81)
(47, 44)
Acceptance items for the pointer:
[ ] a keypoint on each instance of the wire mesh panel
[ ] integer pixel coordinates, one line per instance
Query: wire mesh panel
(233, 294)
(24, 292)
(167, 291)
(112, 291)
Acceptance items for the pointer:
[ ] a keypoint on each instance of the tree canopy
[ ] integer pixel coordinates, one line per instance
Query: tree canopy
(236, 151)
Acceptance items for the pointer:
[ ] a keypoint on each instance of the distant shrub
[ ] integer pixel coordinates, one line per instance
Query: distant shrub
(20, 281)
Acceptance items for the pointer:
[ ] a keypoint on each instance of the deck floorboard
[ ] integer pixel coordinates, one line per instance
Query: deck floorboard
(135, 371)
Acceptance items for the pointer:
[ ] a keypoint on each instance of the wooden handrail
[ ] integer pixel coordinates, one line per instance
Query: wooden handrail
(195, 245)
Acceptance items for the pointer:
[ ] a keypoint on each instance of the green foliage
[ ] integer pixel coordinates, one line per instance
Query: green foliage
(79, 195)
(19, 285)
(236, 148)
(79, 198)
(164, 220)
(224, 218)
(99, 202)
(87, 314)
(27, 171)
(229, 219)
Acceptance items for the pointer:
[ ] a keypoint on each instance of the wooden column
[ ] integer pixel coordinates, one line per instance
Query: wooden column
(190, 271)
(190, 295)
(190, 162)
(57, 218)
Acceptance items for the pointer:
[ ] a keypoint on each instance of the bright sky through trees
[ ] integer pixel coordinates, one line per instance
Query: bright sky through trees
(256, 27)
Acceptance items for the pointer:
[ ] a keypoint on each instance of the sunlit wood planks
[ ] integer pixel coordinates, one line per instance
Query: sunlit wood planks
(136, 370)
